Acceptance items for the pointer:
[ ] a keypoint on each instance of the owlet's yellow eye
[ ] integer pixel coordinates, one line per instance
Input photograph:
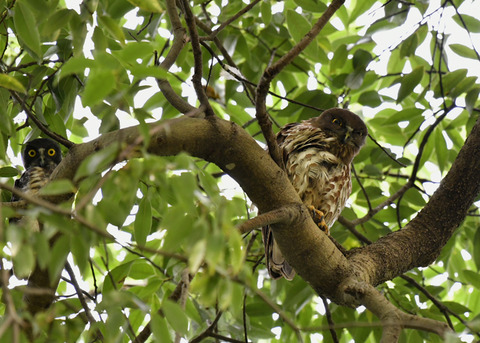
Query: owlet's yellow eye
(337, 122)
(32, 153)
(51, 152)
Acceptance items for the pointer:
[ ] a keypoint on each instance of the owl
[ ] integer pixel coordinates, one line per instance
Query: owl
(317, 154)
(40, 157)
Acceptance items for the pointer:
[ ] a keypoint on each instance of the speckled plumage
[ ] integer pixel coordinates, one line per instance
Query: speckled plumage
(317, 154)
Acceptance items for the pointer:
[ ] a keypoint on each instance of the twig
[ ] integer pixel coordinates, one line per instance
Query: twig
(230, 20)
(185, 285)
(51, 207)
(208, 331)
(81, 298)
(179, 41)
(197, 56)
(273, 217)
(333, 333)
(62, 140)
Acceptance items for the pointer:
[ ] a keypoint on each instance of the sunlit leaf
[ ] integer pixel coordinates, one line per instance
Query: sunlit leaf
(9, 82)
(463, 51)
(153, 6)
(472, 23)
(57, 187)
(25, 25)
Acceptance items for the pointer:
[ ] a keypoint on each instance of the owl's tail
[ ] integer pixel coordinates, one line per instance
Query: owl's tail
(277, 266)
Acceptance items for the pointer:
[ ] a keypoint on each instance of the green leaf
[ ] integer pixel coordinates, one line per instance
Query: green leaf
(449, 82)
(297, 25)
(463, 51)
(97, 162)
(57, 187)
(58, 257)
(9, 82)
(175, 316)
(112, 27)
(197, 255)
(99, 84)
(153, 6)
(476, 249)
(315, 6)
(160, 329)
(143, 221)
(76, 65)
(8, 172)
(472, 277)
(472, 23)
(141, 270)
(56, 21)
(354, 80)
(116, 277)
(26, 28)
(370, 98)
(266, 12)
(440, 149)
(142, 71)
(409, 46)
(24, 262)
(339, 58)
(409, 82)
(471, 98)
(236, 251)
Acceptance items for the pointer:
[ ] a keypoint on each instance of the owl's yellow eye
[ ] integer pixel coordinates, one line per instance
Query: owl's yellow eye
(32, 153)
(51, 152)
(337, 122)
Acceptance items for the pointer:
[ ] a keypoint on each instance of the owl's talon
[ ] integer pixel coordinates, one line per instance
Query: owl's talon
(319, 219)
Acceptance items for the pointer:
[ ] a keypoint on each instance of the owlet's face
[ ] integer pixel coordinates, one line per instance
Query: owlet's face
(41, 152)
(346, 126)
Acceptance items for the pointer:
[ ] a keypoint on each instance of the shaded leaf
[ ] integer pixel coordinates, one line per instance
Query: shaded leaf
(8, 172)
(143, 221)
(175, 316)
(409, 82)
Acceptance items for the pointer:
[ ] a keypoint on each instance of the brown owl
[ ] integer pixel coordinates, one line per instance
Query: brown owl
(317, 154)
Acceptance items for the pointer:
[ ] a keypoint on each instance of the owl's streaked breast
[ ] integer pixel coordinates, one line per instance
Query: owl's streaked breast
(320, 178)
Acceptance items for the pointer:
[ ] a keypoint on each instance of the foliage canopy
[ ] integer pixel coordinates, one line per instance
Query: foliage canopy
(65, 70)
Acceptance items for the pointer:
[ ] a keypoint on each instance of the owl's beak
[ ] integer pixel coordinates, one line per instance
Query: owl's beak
(348, 135)
(42, 158)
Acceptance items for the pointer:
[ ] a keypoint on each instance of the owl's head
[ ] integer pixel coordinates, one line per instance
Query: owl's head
(41, 152)
(346, 126)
